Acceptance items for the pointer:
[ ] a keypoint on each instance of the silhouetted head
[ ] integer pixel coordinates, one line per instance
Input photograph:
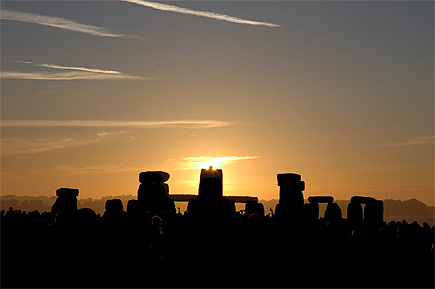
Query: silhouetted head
(156, 220)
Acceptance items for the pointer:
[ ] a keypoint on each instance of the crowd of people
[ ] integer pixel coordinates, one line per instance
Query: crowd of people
(211, 244)
(119, 249)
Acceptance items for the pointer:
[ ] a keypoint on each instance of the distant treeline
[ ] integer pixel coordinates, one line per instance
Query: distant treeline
(410, 210)
(43, 203)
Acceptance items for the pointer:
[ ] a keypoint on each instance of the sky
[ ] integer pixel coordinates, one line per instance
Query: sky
(341, 92)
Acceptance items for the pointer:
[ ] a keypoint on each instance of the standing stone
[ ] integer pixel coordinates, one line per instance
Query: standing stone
(211, 184)
(210, 203)
(333, 213)
(253, 207)
(66, 203)
(314, 201)
(374, 213)
(153, 193)
(373, 210)
(291, 198)
(354, 213)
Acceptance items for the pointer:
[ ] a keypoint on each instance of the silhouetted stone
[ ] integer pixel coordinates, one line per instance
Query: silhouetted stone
(211, 184)
(373, 210)
(291, 198)
(313, 207)
(354, 213)
(210, 203)
(67, 193)
(255, 208)
(291, 179)
(133, 206)
(320, 199)
(153, 193)
(361, 200)
(312, 210)
(332, 213)
(114, 214)
(66, 203)
(114, 206)
(86, 218)
(153, 177)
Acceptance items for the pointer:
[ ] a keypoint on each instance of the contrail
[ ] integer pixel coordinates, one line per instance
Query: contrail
(58, 23)
(77, 73)
(176, 9)
(115, 123)
(82, 75)
(54, 66)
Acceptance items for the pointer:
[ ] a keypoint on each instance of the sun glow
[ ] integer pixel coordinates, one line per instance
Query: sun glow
(204, 162)
(212, 162)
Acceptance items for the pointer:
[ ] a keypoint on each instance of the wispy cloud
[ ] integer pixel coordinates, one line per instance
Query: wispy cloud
(105, 168)
(45, 144)
(419, 140)
(176, 9)
(40, 145)
(72, 73)
(194, 163)
(115, 123)
(68, 76)
(58, 22)
(54, 66)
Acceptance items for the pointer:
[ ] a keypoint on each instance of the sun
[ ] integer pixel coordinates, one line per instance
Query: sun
(212, 162)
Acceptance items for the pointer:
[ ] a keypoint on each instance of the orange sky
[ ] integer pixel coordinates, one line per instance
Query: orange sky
(341, 93)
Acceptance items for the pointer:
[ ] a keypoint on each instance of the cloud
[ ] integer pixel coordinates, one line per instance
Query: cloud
(45, 144)
(419, 140)
(194, 163)
(115, 123)
(176, 9)
(58, 23)
(40, 145)
(76, 73)
(54, 66)
(104, 133)
(105, 168)
(68, 76)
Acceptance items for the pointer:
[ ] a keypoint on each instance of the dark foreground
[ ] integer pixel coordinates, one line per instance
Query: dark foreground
(242, 251)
